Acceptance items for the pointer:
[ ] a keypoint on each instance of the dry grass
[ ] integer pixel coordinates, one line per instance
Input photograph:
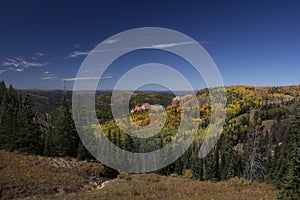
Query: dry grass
(151, 187)
(28, 176)
(24, 176)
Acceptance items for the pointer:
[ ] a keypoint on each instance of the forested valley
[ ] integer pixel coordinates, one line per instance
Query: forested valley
(259, 140)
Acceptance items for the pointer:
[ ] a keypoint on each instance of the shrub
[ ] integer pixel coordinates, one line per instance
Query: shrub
(239, 181)
(187, 173)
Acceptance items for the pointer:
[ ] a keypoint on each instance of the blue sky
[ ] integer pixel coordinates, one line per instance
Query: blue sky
(252, 42)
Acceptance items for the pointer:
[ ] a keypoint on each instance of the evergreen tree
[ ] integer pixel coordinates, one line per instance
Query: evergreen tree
(213, 168)
(291, 180)
(3, 90)
(6, 126)
(65, 138)
(9, 113)
(29, 132)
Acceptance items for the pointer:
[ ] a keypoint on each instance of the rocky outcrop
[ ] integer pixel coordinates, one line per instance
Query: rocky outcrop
(176, 100)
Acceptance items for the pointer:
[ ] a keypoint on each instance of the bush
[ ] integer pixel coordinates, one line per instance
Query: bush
(239, 181)
(187, 173)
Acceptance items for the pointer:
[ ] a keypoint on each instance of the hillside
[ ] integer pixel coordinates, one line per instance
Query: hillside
(64, 178)
(258, 142)
(29, 176)
(154, 187)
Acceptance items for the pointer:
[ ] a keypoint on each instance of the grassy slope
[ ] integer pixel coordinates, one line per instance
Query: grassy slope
(28, 176)
(151, 186)
(61, 178)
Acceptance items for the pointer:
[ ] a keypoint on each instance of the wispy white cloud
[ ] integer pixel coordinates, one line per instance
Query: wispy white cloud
(19, 64)
(2, 70)
(48, 76)
(169, 45)
(80, 78)
(87, 78)
(106, 76)
(37, 55)
(22, 63)
(76, 54)
(40, 54)
(111, 41)
(19, 69)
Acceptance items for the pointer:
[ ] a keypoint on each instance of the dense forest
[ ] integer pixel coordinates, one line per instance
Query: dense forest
(259, 141)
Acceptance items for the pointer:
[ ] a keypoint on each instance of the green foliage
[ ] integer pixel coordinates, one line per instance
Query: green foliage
(29, 129)
(291, 164)
(19, 125)
(256, 141)
(65, 136)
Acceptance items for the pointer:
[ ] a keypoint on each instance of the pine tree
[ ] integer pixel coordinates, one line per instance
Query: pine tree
(228, 157)
(9, 113)
(29, 133)
(65, 134)
(212, 169)
(291, 181)
(3, 90)
(6, 125)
